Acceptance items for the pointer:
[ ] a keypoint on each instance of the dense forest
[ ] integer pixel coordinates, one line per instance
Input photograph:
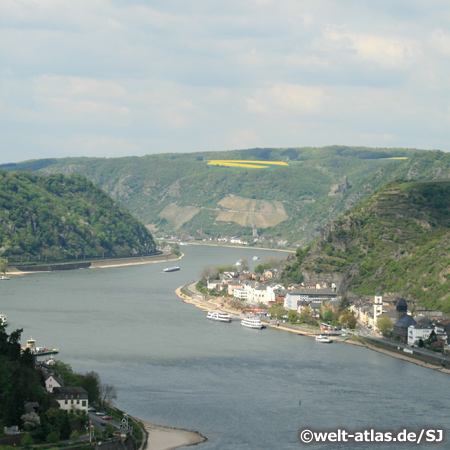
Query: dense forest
(183, 194)
(22, 382)
(58, 217)
(397, 241)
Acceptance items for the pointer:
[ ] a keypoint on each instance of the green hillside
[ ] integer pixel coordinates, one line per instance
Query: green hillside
(59, 217)
(398, 241)
(184, 194)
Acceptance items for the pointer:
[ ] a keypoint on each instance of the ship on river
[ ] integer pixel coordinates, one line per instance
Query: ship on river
(39, 351)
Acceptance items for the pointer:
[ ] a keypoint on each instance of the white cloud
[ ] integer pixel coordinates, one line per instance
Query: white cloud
(283, 98)
(440, 41)
(389, 52)
(189, 76)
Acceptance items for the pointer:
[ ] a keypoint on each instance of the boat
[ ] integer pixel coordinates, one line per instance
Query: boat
(238, 263)
(3, 319)
(324, 339)
(252, 322)
(4, 277)
(171, 269)
(219, 316)
(255, 258)
(39, 351)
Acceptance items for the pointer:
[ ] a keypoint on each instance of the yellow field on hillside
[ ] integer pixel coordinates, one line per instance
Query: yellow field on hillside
(245, 163)
(249, 212)
(397, 157)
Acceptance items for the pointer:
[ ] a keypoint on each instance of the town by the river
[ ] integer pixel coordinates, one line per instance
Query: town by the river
(243, 389)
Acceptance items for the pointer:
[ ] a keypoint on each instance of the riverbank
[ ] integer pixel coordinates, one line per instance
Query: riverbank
(400, 355)
(198, 302)
(165, 438)
(105, 264)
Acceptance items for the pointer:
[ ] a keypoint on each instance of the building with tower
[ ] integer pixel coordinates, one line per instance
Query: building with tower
(377, 307)
(403, 322)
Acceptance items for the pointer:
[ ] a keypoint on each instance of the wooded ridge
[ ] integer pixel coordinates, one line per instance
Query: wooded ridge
(396, 241)
(56, 217)
(284, 196)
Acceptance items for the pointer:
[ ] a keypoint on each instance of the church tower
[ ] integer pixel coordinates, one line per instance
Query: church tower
(401, 308)
(377, 306)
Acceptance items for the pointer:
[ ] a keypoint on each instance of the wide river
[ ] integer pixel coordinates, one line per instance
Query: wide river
(241, 388)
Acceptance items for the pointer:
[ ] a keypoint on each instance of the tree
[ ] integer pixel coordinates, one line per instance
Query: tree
(108, 393)
(244, 265)
(278, 311)
(3, 265)
(31, 421)
(328, 315)
(307, 316)
(292, 316)
(348, 319)
(208, 273)
(385, 324)
(91, 382)
(27, 440)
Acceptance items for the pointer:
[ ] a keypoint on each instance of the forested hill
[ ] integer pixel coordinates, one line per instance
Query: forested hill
(282, 195)
(64, 217)
(397, 241)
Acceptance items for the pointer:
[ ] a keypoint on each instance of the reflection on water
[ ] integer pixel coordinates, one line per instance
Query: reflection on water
(239, 387)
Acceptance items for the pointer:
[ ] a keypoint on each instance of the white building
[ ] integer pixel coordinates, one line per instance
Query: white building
(417, 332)
(52, 382)
(313, 296)
(71, 398)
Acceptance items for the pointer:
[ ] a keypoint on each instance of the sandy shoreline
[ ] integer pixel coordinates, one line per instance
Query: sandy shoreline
(165, 438)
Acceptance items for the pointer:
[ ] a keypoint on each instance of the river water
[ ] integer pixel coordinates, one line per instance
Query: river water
(241, 388)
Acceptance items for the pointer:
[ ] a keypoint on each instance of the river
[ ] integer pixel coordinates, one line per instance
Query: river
(241, 388)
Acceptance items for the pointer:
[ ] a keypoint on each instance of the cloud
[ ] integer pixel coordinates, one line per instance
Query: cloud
(171, 75)
(283, 98)
(388, 52)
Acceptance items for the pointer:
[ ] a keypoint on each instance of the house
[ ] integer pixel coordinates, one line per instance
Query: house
(367, 312)
(270, 273)
(442, 330)
(52, 382)
(71, 398)
(314, 296)
(418, 332)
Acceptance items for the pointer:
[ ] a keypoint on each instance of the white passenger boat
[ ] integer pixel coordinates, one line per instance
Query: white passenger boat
(219, 316)
(324, 339)
(4, 277)
(252, 322)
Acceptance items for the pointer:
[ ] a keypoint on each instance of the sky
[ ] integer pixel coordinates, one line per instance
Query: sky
(114, 78)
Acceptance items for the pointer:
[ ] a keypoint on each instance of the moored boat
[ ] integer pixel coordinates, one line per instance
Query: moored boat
(38, 351)
(3, 319)
(252, 322)
(218, 316)
(4, 277)
(324, 339)
(171, 269)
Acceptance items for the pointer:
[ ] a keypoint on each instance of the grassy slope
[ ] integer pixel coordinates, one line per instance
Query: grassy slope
(396, 241)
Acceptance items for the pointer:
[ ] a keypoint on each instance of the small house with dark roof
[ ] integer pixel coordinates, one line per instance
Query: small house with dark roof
(52, 382)
(404, 321)
(71, 398)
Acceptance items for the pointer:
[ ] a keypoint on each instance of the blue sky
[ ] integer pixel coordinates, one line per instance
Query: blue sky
(113, 78)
